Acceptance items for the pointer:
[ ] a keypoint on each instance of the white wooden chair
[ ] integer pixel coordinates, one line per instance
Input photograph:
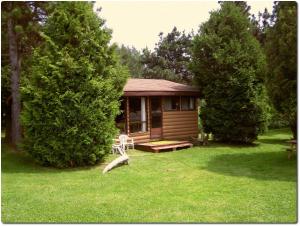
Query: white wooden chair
(115, 148)
(121, 159)
(118, 148)
(126, 142)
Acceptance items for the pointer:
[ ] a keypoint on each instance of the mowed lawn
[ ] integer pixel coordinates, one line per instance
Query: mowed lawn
(216, 183)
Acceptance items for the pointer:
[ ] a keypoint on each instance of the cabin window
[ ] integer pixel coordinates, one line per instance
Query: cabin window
(172, 103)
(121, 118)
(187, 103)
(137, 114)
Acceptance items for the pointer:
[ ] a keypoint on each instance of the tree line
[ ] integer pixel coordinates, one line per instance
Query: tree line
(62, 80)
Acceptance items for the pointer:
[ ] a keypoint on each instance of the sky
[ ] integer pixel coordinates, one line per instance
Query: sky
(138, 23)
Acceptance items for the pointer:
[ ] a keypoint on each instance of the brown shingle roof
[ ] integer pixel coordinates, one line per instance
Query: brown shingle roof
(152, 87)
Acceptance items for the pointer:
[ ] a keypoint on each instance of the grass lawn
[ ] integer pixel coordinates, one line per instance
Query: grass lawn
(215, 183)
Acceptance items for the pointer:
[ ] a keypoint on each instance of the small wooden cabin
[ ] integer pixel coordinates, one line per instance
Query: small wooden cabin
(156, 109)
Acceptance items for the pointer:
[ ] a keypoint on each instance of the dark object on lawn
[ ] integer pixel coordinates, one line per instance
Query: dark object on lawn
(203, 140)
(293, 148)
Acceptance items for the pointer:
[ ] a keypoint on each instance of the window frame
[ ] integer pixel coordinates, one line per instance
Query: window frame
(189, 99)
(171, 110)
(139, 122)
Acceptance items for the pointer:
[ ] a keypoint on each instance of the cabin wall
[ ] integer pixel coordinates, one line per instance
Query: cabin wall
(176, 125)
(180, 124)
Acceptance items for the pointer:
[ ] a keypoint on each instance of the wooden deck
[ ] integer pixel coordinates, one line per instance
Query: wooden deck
(161, 146)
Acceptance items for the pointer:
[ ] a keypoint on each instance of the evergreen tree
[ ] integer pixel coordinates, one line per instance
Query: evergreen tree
(281, 49)
(258, 25)
(131, 57)
(170, 58)
(261, 25)
(71, 92)
(229, 68)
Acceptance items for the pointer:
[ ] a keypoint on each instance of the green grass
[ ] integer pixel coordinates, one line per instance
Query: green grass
(216, 183)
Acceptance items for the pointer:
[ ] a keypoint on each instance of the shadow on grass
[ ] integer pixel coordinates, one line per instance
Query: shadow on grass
(22, 162)
(216, 144)
(274, 141)
(261, 166)
(213, 144)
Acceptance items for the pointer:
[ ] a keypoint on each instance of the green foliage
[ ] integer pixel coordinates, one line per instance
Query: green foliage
(263, 101)
(281, 49)
(131, 57)
(170, 58)
(277, 120)
(20, 23)
(70, 95)
(229, 67)
(27, 19)
(261, 25)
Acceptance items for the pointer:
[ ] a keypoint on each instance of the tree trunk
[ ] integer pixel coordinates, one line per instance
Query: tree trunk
(15, 62)
(293, 126)
(7, 119)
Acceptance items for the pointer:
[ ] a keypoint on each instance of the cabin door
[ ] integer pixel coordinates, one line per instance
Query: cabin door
(155, 118)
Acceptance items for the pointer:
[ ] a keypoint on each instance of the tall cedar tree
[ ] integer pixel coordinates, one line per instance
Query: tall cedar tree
(260, 24)
(71, 96)
(170, 58)
(20, 23)
(281, 49)
(229, 68)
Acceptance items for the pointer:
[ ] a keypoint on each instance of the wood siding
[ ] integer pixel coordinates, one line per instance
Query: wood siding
(180, 124)
(176, 125)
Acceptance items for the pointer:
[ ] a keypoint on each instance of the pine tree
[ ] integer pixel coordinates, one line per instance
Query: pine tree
(72, 90)
(20, 24)
(229, 67)
(170, 58)
(131, 57)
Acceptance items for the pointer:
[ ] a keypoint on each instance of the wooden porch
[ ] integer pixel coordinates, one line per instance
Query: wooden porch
(160, 146)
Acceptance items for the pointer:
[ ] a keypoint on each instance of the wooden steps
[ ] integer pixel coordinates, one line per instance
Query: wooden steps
(163, 147)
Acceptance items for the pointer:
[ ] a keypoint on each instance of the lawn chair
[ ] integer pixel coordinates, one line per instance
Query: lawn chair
(115, 148)
(126, 142)
(118, 148)
(121, 159)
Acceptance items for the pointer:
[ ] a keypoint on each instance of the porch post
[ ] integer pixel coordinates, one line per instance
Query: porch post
(143, 113)
(127, 114)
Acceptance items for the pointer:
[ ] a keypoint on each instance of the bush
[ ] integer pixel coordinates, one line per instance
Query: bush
(70, 97)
